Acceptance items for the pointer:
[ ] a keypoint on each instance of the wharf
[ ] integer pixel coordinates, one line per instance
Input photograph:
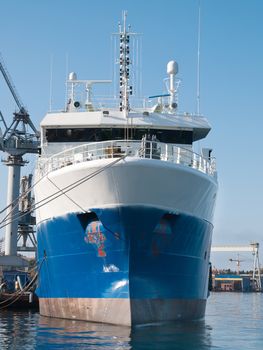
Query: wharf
(17, 290)
(25, 300)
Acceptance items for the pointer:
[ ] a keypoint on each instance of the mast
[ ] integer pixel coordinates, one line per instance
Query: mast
(198, 60)
(124, 61)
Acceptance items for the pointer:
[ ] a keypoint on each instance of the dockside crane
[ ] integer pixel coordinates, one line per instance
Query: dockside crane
(238, 261)
(16, 140)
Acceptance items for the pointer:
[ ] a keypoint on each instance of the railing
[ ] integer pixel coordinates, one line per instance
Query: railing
(138, 149)
(138, 105)
(2, 246)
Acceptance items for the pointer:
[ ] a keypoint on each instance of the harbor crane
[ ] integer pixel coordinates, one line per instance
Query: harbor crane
(16, 140)
(238, 261)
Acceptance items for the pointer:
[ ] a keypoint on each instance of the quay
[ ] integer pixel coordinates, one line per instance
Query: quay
(230, 282)
(17, 290)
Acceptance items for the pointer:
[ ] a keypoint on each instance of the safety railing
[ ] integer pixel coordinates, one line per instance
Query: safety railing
(2, 246)
(147, 149)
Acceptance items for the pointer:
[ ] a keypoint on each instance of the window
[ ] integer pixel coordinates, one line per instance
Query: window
(105, 134)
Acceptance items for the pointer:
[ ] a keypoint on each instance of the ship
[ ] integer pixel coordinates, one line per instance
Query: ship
(124, 205)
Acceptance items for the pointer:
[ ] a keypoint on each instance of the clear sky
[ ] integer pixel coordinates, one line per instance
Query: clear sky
(231, 71)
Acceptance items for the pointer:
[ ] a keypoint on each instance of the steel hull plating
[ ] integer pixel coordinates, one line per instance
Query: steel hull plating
(124, 265)
(123, 311)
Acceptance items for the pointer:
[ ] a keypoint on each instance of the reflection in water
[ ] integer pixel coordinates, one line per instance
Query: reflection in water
(17, 329)
(233, 321)
(81, 335)
(76, 334)
(184, 335)
(26, 330)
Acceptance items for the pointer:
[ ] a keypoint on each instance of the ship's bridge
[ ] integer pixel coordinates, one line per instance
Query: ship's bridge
(107, 124)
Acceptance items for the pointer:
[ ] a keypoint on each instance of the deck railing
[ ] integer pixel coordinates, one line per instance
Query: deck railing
(116, 149)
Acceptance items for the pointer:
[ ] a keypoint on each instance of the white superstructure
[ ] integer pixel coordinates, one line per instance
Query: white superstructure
(80, 141)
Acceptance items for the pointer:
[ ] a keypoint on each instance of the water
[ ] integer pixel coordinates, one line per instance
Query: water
(233, 321)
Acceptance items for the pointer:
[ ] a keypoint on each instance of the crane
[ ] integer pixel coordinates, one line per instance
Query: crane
(16, 141)
(238, 261)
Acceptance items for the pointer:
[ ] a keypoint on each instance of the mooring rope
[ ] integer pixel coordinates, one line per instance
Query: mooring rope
(60, 192)
(17, 295)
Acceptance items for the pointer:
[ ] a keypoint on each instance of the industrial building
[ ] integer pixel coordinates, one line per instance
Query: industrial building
(234, 283)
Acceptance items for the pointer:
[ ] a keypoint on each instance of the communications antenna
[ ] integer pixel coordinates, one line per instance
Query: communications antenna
(127, 59)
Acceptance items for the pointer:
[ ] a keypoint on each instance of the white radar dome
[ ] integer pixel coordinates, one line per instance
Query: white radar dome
(72, 76)
(172, 67)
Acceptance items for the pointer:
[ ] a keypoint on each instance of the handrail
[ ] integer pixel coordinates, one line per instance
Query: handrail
(139, 149)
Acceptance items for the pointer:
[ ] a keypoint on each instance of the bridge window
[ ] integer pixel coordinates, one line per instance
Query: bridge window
(106, 134)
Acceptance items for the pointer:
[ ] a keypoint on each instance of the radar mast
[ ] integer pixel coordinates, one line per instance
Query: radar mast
(124, 61)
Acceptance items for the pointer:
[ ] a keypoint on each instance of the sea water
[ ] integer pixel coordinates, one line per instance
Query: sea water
(233, 321)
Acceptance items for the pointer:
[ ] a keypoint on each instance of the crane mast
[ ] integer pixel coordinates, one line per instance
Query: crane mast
(16, 141)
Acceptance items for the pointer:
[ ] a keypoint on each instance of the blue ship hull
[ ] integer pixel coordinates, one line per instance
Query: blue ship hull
(156, 261)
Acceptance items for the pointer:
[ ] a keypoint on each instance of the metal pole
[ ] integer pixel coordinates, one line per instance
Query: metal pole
(259, 275)
(254, 266)
(14, 164)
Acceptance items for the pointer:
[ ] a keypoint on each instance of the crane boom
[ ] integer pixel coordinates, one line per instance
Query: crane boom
(10, 84)
(15, 138)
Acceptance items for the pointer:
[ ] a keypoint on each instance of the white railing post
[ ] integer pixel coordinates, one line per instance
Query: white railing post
(166, 152)
(178, 155)
(194, 160)
(199, 163)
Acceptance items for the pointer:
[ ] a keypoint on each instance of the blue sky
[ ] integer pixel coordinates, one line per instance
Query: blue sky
(231, 79)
